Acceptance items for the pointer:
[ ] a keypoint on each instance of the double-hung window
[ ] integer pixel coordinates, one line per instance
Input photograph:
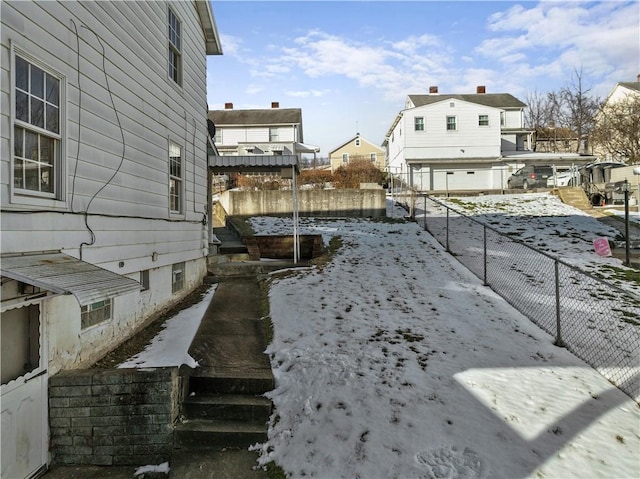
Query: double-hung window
(175, 177)
(483, 120)
(345, 158)
(373, 157)
(273, 134)
(175, 47)
(36, 130)
(451, 123)
(418, 123)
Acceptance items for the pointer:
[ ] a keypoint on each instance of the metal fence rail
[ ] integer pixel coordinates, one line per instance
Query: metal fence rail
(595, 320)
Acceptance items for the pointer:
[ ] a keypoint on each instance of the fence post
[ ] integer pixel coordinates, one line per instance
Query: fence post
(558, 342)
(484, 231)
(425, 213)
(447, 230)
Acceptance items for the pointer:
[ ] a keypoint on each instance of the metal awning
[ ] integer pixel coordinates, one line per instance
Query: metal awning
(64, 274)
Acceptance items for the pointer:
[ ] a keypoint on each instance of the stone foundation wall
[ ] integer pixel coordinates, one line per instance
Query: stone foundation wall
(113, 417)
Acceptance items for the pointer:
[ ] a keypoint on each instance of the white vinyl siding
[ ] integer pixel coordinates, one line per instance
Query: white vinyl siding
(118, 108)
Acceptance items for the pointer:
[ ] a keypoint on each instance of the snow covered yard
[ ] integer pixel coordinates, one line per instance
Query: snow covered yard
(394, 361)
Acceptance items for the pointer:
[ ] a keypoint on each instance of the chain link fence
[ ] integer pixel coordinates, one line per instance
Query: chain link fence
(595, 320)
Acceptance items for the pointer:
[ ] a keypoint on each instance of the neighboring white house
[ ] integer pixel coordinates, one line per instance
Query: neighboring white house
(103, 188)
(462, 141)
(258, 132)
(620, 109)
(357, 147)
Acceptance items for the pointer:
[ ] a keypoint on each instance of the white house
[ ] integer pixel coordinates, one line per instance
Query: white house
(103, 188)
(461, 141)
(258, 132)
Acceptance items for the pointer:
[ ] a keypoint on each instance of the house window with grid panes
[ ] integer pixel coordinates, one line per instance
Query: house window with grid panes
(175, 178)
(177, 277)
(483, 120)
(175, 47)
(418, 123)
(345, 158)
(374, 157)
(451, 123)
(95, 313)
(273, 134)
(36, 130)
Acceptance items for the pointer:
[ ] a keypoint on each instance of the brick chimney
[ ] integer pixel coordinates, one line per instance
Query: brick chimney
(275, 104)
(228, 106)
(481, 89)
(433, 90)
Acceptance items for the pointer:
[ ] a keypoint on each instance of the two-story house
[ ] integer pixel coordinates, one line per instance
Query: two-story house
(455, 141)
(443, 142)
(616, 137)
(103, 188)
(257, 141)
(357, 147)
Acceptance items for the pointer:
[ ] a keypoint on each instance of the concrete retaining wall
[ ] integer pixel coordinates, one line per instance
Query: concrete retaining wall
(113, 417)
(336, 203)
(279, 247)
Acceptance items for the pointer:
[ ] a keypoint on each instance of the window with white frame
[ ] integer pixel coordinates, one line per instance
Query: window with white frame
(503, 118)
(36, 130)
(418, 123)
(357, 141)
(273, 134)
(483, 120)
(175, 46)
(374, 157)
(345, 158)
(95, 313)
(451, 123)
(175, 177)
(177, 277)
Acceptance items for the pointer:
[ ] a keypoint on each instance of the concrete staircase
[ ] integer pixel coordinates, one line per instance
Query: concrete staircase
(223, 403)
(574, 196)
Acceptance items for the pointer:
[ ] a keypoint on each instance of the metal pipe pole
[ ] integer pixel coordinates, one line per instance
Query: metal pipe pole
(626, 223)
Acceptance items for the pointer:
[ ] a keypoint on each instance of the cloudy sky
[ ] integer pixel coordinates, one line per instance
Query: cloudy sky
(349, 65)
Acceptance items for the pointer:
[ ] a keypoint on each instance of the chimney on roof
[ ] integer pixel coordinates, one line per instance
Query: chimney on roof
(433, 90)
(228, 106)
(481, 89)
(275, 104)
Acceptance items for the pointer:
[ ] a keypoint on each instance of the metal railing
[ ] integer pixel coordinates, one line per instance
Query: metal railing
(594, 319)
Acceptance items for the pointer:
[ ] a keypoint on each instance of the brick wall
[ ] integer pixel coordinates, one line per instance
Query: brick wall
(113, 417)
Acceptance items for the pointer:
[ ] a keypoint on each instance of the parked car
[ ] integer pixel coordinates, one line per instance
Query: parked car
(530, 176)
(564, 178)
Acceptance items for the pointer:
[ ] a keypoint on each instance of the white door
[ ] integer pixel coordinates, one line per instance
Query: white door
(23, 393)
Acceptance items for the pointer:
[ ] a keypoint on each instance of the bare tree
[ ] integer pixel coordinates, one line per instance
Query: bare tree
(538, 115)
(617, 130)
(574, 108)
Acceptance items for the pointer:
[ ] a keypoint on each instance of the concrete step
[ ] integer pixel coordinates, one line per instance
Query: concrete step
(228, 407)
(217, 435)
(217, 381)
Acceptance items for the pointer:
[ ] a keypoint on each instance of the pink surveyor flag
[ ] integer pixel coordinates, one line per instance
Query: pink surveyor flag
(601, 245)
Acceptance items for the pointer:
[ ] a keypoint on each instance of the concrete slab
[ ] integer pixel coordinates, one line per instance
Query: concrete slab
(229, 464)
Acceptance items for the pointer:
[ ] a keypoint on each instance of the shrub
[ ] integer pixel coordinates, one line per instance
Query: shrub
(358, 170)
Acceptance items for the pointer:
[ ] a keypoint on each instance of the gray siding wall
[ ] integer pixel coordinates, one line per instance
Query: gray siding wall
(120, 110)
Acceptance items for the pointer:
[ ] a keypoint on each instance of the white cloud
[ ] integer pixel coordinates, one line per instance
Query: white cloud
(308, 93)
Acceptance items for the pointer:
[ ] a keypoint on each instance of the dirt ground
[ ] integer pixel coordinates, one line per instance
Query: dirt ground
(141, 339)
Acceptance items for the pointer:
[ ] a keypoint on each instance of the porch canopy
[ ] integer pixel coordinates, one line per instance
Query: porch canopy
(254, 163)
(64, 274)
